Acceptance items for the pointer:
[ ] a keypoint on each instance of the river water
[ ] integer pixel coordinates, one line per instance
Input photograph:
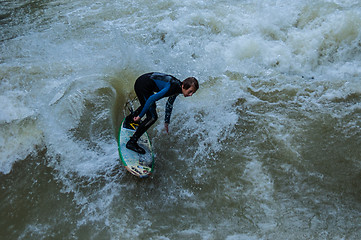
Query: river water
(268, 148)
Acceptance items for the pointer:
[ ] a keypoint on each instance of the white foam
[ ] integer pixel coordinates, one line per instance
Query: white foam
(18, 140)
(19, 131)
(240, 51)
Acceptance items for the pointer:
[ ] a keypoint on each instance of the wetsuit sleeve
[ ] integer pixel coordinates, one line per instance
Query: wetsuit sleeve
(152, 99)
(169, 108)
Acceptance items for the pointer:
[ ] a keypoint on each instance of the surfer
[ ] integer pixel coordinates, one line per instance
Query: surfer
(151, 87)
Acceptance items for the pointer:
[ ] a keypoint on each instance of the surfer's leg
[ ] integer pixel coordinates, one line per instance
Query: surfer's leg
(133, 145)
(143, 127)
(151, 118)
(142, 95)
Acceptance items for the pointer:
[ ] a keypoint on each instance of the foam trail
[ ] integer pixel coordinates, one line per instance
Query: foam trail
(267, 148)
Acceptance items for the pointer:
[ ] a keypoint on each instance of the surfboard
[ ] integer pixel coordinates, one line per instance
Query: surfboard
(140, 165)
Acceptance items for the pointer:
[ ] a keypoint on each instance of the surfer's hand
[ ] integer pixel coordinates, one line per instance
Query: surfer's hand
(166, 127)
(136, 119)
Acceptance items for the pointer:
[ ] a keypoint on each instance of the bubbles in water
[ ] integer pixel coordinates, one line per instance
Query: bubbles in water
(276, 79)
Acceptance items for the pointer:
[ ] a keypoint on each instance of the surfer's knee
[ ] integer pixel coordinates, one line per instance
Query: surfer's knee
(149, 121)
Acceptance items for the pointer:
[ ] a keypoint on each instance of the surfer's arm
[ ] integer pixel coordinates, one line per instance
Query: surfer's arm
(152, 99)
(169, 108)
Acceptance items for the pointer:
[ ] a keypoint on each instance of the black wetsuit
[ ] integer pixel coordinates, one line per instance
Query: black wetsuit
(151, 87)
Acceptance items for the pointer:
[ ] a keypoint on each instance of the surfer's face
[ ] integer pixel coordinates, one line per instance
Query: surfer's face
(188, 92)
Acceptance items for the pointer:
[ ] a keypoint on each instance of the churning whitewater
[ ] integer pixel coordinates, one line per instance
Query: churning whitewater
(268, 147)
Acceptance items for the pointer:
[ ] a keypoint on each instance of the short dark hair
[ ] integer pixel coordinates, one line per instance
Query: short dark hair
(189, 82)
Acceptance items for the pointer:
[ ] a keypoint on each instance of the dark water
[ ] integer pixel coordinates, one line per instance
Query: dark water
(268, 148)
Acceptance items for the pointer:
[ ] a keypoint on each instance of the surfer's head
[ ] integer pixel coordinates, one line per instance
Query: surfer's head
(189, 86)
